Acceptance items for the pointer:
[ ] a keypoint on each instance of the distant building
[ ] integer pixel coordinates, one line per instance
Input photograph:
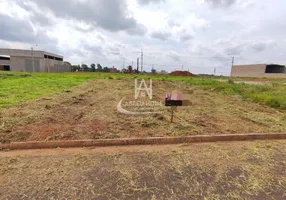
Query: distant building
(259, 70)
(22, 60)
(4, 63)
(113, 70)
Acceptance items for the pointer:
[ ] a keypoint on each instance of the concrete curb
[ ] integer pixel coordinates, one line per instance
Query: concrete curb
(140, 141)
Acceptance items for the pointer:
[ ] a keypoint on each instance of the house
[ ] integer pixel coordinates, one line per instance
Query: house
(113, 70)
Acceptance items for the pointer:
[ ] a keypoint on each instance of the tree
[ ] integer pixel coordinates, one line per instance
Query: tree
(84, 67)
(164, 72)
(153, 71)
(67, 63)
(75, 68)
(130, 68)
(93, 67)
(99, 68)
(105, 69)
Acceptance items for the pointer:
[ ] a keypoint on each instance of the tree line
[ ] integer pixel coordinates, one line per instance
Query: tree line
(99, 68)
(86, 68)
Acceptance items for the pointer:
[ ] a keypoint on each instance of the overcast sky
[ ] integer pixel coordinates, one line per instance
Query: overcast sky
(198, 35)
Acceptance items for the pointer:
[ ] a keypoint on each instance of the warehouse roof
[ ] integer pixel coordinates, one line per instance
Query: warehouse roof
(26, 52)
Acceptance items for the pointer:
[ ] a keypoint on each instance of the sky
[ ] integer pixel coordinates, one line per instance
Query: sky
(201, 36)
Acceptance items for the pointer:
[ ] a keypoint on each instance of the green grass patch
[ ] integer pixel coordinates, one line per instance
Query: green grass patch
(17, 88)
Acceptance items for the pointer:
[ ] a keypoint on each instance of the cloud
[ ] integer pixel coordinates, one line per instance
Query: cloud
(237, 47)
(94, 49)
(160, 35)
(14, 29)
(221, 3)
(145, 2)
(113, 50)
(83, 27)
(180, 32)
(175, 56)
(21, 33)
(111, 15)
(140, 30)
(186, 37)
(262, 45)
(171, 23)
(37, 16)
(100, 38)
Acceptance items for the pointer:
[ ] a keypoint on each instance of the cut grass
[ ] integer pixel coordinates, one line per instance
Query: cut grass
(249, 170)
(17, 88)
(89, 112)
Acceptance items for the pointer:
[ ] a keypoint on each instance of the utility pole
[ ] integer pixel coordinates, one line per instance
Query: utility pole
(137, 65)
(214, 71)
(32, 49)
(182, 67)
(141, 61)
(33, 64)
(232, 65)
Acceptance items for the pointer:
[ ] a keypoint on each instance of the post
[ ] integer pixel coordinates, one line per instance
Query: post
(137, 65)
(232, 65)
(172, 116)
(173, 108)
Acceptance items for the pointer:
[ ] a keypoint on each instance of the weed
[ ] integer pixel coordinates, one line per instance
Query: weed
(230, 81)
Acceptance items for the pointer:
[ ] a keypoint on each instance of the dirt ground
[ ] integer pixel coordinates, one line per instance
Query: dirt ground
(89, 112)
(236, 170)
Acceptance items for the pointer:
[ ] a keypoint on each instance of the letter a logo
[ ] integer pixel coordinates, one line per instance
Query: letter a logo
(143, 89)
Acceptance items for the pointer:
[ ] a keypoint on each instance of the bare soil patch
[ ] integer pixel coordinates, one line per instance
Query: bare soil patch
(89, 112)
(237, 170)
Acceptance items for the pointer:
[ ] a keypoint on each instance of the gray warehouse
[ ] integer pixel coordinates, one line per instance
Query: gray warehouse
(31, 61)
(259, 70)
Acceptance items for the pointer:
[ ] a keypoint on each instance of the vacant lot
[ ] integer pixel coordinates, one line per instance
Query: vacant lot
(89, 111)
(17, 88)
(249, 170)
